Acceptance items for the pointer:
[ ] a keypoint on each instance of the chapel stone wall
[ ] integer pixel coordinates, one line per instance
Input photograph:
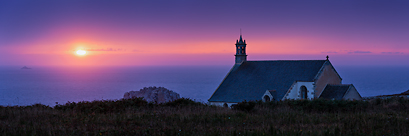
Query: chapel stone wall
(328, 76)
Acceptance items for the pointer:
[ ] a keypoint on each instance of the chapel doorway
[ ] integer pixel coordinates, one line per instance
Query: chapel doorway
(266, 98)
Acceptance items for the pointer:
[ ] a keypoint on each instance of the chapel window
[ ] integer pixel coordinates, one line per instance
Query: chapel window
(304, 92)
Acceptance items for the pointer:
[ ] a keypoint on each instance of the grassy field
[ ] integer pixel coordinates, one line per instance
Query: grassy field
(186, 117)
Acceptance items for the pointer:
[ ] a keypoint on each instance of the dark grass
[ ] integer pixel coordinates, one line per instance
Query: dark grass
(186, 117)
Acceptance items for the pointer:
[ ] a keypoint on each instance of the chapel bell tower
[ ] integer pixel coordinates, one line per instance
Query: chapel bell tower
(241, 50)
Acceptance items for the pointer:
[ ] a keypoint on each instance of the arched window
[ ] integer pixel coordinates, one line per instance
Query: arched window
(266, 98)
(304, 92)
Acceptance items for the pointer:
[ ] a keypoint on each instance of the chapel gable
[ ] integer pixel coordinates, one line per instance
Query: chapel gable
(327, 75)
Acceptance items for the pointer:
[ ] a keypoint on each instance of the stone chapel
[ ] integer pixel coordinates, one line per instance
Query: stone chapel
(276, 80)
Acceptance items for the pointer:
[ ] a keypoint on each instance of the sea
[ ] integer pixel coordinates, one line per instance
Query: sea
(59, 85)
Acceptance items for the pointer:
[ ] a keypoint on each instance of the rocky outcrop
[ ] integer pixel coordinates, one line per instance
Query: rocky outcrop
(153, 94)
(406, 93)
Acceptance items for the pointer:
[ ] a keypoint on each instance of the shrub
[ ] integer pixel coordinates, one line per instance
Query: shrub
(103, 106)
(320, 105)
(39, 105)
(244, 106)
(182, 102)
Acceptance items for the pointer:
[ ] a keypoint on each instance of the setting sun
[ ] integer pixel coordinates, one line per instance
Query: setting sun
(81, 52)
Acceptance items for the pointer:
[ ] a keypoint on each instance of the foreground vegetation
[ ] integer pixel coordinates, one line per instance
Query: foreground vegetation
(186, 117)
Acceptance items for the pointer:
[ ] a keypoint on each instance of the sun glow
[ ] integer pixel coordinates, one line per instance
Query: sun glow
(81, 52)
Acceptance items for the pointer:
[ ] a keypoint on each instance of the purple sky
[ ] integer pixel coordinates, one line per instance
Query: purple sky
(191, 32)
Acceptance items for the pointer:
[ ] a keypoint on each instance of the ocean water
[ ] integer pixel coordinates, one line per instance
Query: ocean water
(376, 80)
(52, 85)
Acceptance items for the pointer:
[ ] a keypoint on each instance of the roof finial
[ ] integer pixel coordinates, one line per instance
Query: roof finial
(327, 57)
(241, 39)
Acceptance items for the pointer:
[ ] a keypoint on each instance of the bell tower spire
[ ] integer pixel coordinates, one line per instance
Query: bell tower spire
(240, 50)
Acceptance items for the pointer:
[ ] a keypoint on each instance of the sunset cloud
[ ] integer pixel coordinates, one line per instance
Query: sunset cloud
(331, 52)
(392, 52)
(107, 49)
(359, 52)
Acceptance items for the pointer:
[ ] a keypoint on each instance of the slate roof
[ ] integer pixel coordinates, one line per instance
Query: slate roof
(336, 92)
(250, 80)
